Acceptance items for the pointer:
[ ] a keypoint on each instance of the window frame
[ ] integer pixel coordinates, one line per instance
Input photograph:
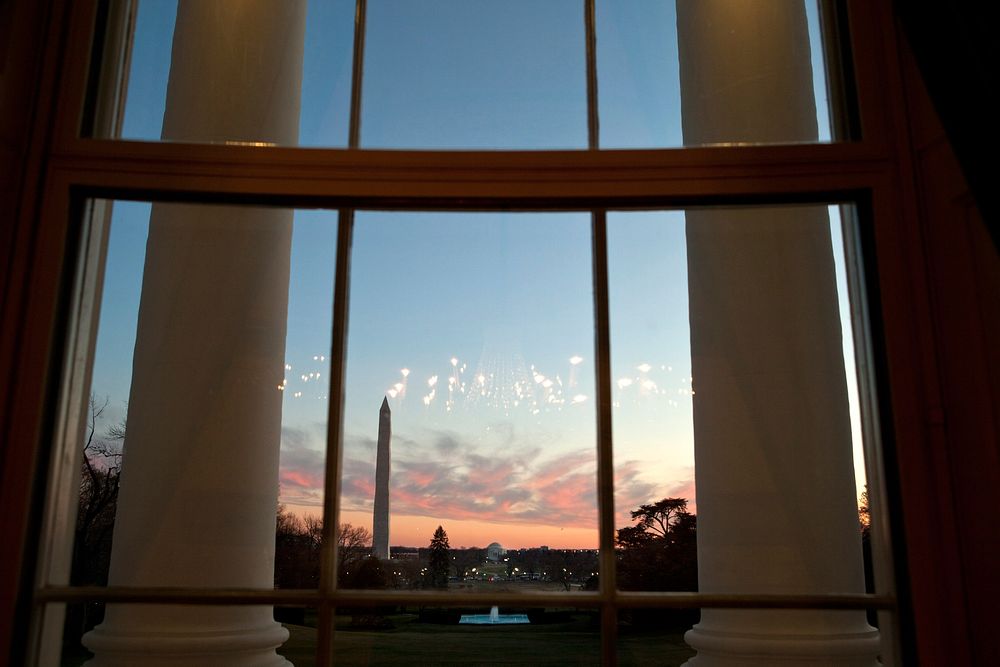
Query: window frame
(79, 169)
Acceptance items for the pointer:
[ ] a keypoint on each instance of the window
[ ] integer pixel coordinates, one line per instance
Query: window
(762, 301)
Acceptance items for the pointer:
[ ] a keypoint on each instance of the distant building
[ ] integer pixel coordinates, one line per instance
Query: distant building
(495, 552)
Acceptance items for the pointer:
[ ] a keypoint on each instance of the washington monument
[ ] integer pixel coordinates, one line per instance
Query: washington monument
(380, 520)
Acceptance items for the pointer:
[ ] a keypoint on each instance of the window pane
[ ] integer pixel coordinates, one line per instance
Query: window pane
(470, 378)
(739, 463)
(209, 394)
(655, 432)
(654, 637)
(301, 624)
(409, 634)
(651, 372)
(475, 74)
(242, 71)
(691, 73)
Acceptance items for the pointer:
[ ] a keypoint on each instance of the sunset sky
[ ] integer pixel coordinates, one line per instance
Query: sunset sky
(478, 326)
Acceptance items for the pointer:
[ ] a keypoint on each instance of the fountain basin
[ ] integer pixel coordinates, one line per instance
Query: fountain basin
(493, 618)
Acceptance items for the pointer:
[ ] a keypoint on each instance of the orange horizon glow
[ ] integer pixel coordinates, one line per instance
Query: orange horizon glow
(467, 530)
(416, 531)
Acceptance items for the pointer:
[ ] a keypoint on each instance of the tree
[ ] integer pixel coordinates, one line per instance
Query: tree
(864, 513)
(298, 551)
(440, 560)
(569, 566)
(865, 523)
(659, 518)
(100, 470)
(466, 559)
(368, 573)
(659, 553)
(354, 546)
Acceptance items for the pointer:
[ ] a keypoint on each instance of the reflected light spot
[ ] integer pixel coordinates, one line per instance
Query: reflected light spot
(644, 368)
(575, 360)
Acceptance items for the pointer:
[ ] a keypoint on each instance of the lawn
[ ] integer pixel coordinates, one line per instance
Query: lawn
(556, 637)
(573, 640)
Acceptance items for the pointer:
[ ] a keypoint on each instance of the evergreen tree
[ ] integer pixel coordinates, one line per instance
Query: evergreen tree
(659, 553)
(440, 560)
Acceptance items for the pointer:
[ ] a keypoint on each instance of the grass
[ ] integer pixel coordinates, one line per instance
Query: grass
(566, 637)
(574, 640)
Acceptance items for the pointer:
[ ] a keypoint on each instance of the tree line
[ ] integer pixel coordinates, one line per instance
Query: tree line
(658, 552)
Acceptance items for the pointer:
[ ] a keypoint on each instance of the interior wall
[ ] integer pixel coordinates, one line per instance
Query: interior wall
(963, 272)
(29, 49)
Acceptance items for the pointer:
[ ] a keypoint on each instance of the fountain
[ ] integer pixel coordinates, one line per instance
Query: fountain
(493, 618)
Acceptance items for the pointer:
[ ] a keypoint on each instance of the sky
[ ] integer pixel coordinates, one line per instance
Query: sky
(478, 327)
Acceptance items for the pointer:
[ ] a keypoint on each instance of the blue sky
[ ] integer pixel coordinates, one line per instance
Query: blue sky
(508, 296)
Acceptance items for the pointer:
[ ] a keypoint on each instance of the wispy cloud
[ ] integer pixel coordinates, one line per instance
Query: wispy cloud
(510, 480)
(442, 474)
(632, 489)
(302, 468)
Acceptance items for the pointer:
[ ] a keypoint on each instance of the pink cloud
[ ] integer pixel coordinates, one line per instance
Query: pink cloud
(301, 478)
(500, 485)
